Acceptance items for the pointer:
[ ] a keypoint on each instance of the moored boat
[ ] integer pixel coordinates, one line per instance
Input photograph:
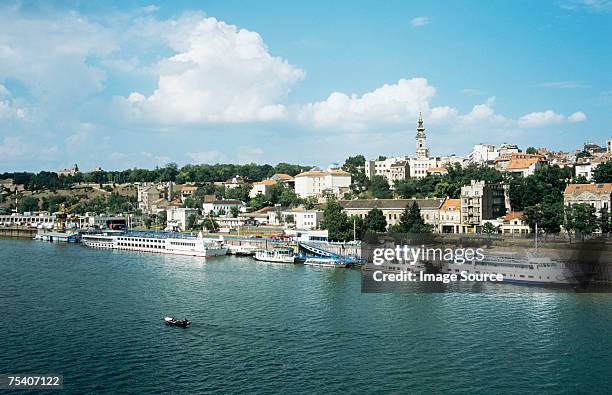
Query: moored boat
(162, 243)
(276, 255)
(325, 262)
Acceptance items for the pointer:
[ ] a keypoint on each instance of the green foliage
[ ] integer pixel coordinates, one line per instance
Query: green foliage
(337, 222)
(584, 154)
(379, 188)
(210, 224)
(449, 184)
(545, 185)
(489, 228)
(28, 204)
(411, 221)
(239, 193)
(192, 202)
(548, 216)
(603, 172)
(375, 221)
(356, 166)
(531, 150)
(191, 222)
(288, 198)
(581, 219)
(603, 222)
(234, 211)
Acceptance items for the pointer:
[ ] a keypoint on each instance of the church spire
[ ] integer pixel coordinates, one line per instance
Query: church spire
(421, 146)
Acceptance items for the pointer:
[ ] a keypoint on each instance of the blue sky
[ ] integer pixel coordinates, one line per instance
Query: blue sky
(134, 83)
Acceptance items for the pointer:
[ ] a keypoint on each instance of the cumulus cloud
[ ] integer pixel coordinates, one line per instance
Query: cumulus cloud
(218, 73)
(420, 21)
(484, 113)
(578, 116)
(388, 104)
(547, 118)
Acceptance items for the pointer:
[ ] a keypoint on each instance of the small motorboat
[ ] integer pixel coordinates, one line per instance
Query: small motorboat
(174, 322)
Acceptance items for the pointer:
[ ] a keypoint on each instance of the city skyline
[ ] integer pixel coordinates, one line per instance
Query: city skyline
(140, 84)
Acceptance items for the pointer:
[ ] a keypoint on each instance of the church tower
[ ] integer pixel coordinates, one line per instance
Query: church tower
(421, 145)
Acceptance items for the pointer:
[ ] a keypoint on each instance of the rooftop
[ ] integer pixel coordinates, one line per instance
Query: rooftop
(598, 188)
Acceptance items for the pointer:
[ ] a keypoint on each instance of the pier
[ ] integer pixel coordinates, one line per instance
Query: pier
(15, 231)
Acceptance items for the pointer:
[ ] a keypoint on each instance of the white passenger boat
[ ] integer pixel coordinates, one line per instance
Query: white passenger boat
(277, 255)
(325, 262)
(162, 243)
(529, 269)
(244, 249)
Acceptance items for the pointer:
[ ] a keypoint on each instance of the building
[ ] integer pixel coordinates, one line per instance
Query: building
(481, 201)
(438, 171)
(483, 154)
(609, 146)
(584, 168)
(393, 169)
(283, 179)
(593, 148)
(234, 182)
(513, 223)
(177, 217)
(148, 196)
(302, 218)
(70, 171)
(319, 184)
(450, 216)
(261, 187)
(520, 163)
(223, 206)
(187, 191)
(394, 208)
(595, 195)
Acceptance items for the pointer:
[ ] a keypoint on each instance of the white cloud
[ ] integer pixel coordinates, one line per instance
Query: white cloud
(394, 103)
(219, 73)
(50, 54)
(484, 113)
(3, 91)
(420, 21)
(250, 154)
(540, 119)
(562, 85)
(578, 116)
(212, 156)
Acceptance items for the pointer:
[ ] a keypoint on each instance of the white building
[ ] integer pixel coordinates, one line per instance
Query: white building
(482, 154)
(393, 209)
(222, 206)
(261, 187)
(303, 219)
(318, 183)
(148, 195)
(176, 217)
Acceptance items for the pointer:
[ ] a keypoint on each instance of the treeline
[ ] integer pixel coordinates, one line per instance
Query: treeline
(111, 204)
(202, 173)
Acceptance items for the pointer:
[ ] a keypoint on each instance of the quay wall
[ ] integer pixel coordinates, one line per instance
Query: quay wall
(18, 232)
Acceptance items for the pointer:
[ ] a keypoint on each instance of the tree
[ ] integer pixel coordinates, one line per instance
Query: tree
(288, 198)
(548, 215)
(489, 228)
(581, 219)
(191, 221)
(531, 150)
(234, 211)
(210, 224)
(336, 222)
(147, 222)
(375, 221)
(28, 204)
(379, 188)
(356, 166)
(604, 222)
(411, 221)
(603, 172)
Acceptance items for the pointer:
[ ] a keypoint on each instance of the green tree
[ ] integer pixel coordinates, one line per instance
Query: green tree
(336, 222)
(234, 211)
(191, 221)
(489, 228)
(375, 221)
(288, 198)
(356, 166)
(411, 221)
(531, 150)
(604, 222)
(581, 219)
(28, 204)
(603, 172)
(379, 188)
(210, 224)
